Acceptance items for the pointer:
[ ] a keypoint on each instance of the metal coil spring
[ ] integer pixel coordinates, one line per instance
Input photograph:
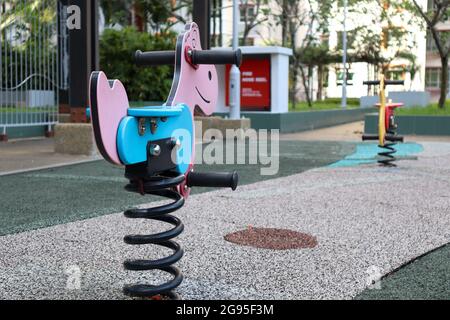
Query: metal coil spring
(164, 187)
(387, 155)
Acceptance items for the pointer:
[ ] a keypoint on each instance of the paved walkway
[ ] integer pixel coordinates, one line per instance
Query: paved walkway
(31, 154)
(365, 218)
(20, 155)
(350, 132)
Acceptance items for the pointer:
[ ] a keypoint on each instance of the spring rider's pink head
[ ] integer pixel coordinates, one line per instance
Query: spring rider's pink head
(193, 84)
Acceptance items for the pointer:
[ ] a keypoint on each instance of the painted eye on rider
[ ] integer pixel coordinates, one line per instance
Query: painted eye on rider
(209, 75)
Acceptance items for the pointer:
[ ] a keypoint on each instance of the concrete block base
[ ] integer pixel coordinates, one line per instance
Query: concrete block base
(220, 125)
(64, 118)
(75, 138)
(78, 138)
(413, 125)
(304, 121)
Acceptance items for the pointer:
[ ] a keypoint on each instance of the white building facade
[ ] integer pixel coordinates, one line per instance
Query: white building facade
(268, 33)
(414, 42)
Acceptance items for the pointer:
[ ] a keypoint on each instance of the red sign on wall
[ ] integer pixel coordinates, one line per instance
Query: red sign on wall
(255, 83)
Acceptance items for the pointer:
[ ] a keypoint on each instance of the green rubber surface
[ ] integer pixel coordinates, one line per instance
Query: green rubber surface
(427, 278)
(54, 196)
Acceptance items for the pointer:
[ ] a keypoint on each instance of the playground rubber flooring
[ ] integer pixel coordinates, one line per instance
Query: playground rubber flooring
(427, 277)
(365, 218)
(53, 196)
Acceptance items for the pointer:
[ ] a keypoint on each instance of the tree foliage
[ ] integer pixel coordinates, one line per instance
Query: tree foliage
(156, 14)
(253, 13)
(439, 13)
(381, 34)
(143, 84)
(27, 31)
(302, 23)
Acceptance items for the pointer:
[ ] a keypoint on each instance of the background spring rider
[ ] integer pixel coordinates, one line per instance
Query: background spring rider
(156, 145)
(387, 128)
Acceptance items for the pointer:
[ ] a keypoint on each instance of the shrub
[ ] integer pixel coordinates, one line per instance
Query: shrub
(117, 49)
(350, 101)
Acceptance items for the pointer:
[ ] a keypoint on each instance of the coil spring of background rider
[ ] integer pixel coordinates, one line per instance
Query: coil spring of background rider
(387, 155)
(163, 187)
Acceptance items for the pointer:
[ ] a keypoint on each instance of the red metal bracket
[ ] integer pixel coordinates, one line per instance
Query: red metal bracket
(188, 57)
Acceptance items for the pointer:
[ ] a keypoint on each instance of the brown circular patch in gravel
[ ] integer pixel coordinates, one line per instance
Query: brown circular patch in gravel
(270, 238)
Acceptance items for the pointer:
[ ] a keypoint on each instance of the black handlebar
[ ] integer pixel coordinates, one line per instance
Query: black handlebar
(156, 58)
(387, 137)
(217, 57)
(213, 179)
(386, 82)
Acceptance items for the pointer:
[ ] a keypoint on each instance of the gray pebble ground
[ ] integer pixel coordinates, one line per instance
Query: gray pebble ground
(365, 218)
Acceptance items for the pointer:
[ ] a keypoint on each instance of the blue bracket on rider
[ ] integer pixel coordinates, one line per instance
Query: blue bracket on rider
(171, 122)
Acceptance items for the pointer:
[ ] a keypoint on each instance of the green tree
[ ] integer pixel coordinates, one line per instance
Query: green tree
(312, 19)
(20, 24)
(116, 59)
(161, 15)
(157, 14)
(381, 40)
(253, 13)
(437, 13)
(116, 12)
(377, 39)
(319, 56)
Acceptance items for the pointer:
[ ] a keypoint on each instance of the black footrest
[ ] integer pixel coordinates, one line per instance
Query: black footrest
(392, 138)
(366, 137)
(213, 179)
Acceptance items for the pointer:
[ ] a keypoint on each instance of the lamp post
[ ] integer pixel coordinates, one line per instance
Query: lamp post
(344, 58)
(235, 73)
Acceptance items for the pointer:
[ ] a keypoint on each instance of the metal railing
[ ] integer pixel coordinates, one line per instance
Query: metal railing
(30, 72)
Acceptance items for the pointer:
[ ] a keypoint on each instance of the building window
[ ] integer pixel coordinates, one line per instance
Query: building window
(250, 41)
(250, 8)
(433, 77)
(340, 77)
(396, 73)
(430, 5)
(325, 40)
(391, 36)
(351, 35)
(325, 76)
(340, 3)
(431, 45)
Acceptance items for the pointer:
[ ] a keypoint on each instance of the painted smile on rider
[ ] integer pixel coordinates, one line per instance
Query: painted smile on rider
(200, 94)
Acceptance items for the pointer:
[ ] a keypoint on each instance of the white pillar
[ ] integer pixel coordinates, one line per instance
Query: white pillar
(235, 73)
(344, 58)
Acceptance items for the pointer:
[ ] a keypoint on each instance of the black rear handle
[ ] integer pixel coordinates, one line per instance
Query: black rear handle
(387, 137)
(157, 58)
(386, 83)
(213, 179)
(154, 58)
(392, 138)
(369, 137)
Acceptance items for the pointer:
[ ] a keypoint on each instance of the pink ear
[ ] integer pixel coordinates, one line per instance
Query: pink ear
(197, 87)
(109, 104)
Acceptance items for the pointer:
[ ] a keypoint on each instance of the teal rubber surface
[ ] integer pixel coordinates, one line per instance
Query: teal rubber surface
(54, 196)
(367, 153)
